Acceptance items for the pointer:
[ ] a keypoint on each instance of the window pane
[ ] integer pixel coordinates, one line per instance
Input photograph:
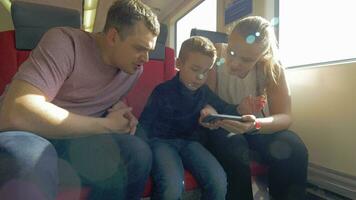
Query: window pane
(316, 31)
(201, 17)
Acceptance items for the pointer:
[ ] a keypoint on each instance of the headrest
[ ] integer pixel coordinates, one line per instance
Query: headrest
(163, 31)
(159, 52)
(32, 20)
(215, 37)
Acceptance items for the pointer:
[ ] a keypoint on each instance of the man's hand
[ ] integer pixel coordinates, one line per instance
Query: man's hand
(130, 119)
(208, 110)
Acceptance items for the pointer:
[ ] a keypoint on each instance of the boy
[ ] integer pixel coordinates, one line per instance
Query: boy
(171, 119)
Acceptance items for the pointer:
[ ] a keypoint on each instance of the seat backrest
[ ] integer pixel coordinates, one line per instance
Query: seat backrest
(30, 22)
(215, 37)
(218, 38)
(159, 53)
(159, 69)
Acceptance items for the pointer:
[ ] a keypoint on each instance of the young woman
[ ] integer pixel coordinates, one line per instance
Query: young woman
(252, 76)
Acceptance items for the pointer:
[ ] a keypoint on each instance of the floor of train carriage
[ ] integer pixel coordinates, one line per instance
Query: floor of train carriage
(261, 193)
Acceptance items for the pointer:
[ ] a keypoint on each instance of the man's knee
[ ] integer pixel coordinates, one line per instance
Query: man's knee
(28, 163)
(27, 151)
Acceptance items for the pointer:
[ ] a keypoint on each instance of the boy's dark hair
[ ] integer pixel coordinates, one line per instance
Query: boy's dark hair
(124, 14)
(197, 44)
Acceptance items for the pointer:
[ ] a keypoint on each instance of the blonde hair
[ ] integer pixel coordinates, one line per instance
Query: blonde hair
(197, 44)
(264, 32)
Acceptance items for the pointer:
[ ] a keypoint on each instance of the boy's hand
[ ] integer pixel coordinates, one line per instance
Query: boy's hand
(251, 105)
(126, 114)
(208, 110)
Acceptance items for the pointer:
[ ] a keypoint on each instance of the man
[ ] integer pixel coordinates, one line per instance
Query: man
(69, 91)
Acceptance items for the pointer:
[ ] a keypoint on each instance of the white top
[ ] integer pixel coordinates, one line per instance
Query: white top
(233, 89)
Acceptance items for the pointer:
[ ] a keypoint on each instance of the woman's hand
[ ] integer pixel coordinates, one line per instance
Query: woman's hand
(236, 126)
(208, 110)
(251, 105)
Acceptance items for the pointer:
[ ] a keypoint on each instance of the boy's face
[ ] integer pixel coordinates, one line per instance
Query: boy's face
(194, 70)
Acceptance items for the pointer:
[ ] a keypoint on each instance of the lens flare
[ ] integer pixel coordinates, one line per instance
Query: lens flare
(250, 39)
(275, 21)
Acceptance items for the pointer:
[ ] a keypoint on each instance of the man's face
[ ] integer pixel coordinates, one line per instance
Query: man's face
(131, 52)
(194, 70)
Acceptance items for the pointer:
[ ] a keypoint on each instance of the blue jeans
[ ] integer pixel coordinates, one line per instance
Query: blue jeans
(28, 167)
(114, 166)
(171, 156)
(284, 152)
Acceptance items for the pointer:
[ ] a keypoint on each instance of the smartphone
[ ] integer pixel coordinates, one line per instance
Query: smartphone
(213, 117)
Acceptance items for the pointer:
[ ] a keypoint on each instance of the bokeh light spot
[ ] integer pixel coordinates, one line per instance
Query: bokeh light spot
(250, 39)
(275, 21)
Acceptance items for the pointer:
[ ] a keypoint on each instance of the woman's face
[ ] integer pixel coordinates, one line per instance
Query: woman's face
(242, 56)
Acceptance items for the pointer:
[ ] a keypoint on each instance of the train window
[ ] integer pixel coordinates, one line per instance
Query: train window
(317, 32)
(202, 16)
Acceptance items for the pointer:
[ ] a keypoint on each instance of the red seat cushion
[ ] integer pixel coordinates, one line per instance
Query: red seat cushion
(258, 169)
(154, 73)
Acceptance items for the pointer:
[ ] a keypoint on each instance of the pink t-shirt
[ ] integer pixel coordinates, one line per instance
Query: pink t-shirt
(66, 66)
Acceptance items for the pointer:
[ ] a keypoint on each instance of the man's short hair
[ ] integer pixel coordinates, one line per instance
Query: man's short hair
(124, 14)
(197, 44)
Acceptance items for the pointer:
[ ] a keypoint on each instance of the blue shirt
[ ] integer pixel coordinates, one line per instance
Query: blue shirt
(173, 111)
